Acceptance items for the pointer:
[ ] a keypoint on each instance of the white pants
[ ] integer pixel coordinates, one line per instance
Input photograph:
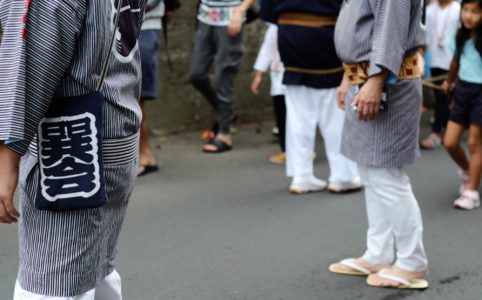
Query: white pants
(108, 289)
(394, 219)
(306, 109)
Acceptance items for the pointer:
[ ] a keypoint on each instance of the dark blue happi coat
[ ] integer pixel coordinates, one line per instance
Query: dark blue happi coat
(306, 47)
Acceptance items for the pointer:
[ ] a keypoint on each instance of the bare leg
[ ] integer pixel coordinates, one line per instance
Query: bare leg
(452, 137)
(146, 157)
(475, 165)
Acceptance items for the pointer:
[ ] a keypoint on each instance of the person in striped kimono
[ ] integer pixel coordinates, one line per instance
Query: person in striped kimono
(381, 92)
(54, 50)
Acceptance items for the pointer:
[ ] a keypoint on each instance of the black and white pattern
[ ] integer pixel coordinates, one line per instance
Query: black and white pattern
(391, 140)
(383, 33)
(12, 77)
(75, 169)
(64, 254)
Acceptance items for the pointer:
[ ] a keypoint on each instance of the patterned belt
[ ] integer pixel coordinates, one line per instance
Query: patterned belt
(114, 151)
(306, 19)
(358, 73)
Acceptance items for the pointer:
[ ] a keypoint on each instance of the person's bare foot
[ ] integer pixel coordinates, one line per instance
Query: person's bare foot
(376, 280)
(146, 159)
(360, 262)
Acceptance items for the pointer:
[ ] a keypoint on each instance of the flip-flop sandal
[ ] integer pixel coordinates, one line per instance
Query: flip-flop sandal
(220, 146)
(148, 169)
(414, 284)
(348, 267)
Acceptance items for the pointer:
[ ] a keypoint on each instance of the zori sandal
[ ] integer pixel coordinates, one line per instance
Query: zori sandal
(348, 267)
(414, 284)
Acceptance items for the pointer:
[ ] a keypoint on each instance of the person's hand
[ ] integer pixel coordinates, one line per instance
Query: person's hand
(368, 99)
(236, 23)
(448, 86)
(168, 15)
(256, 82)
(9, 162)
(342, 91)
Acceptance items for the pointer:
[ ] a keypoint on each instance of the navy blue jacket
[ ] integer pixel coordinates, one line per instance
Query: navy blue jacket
(306, 47)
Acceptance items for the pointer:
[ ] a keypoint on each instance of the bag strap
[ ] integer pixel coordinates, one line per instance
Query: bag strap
(109, 50)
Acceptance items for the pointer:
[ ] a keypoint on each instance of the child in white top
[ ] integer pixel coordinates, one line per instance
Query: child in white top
(443, 17)
(269, 59)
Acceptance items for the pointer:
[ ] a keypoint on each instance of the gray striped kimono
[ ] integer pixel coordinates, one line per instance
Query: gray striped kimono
(382, 32)
(59, 52)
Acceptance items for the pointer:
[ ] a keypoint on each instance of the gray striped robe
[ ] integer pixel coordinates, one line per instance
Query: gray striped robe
(65, 253)
(382, 32)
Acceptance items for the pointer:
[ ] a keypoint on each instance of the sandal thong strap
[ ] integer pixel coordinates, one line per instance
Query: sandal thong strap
(350, 264)
(220, 146)
(382, 274)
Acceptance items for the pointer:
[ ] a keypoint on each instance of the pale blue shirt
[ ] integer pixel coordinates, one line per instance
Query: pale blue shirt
(11, 140)
(470, 65)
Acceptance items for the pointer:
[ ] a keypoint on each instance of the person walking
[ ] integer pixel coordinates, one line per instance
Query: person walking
(219, 37)
(467, 107)
(381, 93)
(312, 75)
(157, 11)
(149, 42)
(70, 87)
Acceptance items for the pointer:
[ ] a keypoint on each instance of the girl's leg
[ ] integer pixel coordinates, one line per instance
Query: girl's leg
(280, 114)
(470, 198)
(452, 137)
(475, 165)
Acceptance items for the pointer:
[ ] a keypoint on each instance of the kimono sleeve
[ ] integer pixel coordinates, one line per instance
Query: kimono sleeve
(52, 31)
(12, 70)
(390, 35)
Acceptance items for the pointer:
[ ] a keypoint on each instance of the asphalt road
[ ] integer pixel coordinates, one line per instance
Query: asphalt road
(224, 227)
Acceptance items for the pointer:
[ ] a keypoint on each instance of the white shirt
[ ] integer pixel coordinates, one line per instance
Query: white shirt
(269, 58)
(441, 23)
(153, 18)
(217, 12)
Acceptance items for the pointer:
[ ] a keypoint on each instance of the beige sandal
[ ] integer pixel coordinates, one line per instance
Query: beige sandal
(348, 267)
(414, 284)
